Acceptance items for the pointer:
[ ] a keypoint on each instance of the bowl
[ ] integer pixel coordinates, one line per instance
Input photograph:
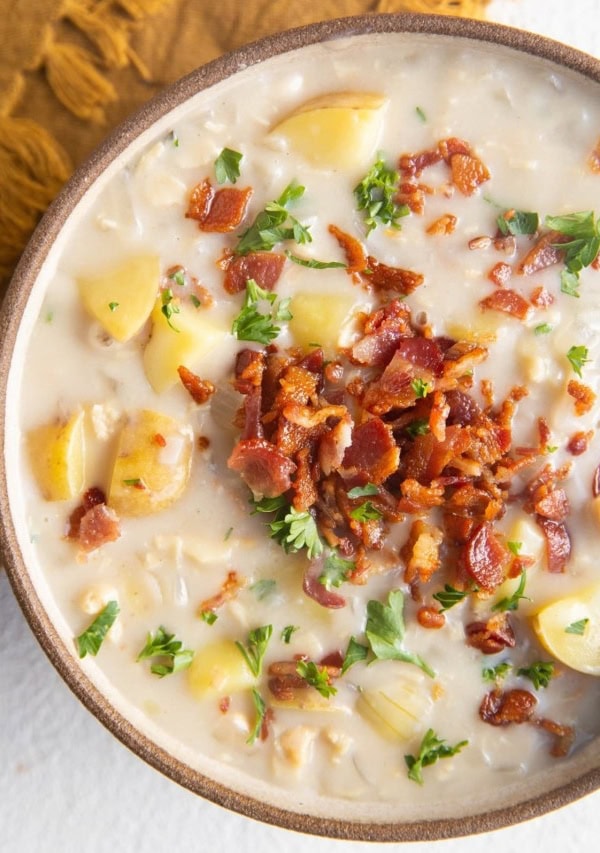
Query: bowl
(46, 598)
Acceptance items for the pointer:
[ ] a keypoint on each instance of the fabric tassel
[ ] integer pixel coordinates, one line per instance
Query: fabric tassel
(76, 82)
(108, 32)
(461, 8)
(140, 8)
(33, 167)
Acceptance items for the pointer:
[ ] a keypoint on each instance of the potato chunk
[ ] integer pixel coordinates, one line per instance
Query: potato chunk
(191, 336)
(569, 628)
(219, 669)
(319, 318)
(338, 130)
(57, 455)
(122, 298)
(152, 465)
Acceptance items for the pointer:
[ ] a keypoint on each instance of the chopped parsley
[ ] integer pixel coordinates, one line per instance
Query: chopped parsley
(385, 631)
(449, 596)
(251, 324)
(209, 616)
(335, 571)
(228, 534)
(539, 673)
(286, 633)
(581, 250)
(178, 276)
(578, 356)
(431, 749)
(543, 329)
(375, 195)
(292, 529)
(578, 627)
(275, 224)
(569, 283)
(517, 222)
(169, 307)
(313, 263)
(135, 483)
(167, 649)
(420, 426)
(514, 547)
(354, 653)
(263, 588)
(367, 511)
(113, 306)
(421, 113)
(261, 710)
(94, 635)
(195, 301)
(498, 672)
(420, 388)
(512, 601)
(254, 652)
(368, 490)
(316, 676)
(227, 166)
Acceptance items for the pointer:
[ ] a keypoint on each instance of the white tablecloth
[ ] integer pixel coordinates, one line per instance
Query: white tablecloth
(67, 786)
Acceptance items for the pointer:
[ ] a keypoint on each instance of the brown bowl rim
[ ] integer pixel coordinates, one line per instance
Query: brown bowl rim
(10, 316)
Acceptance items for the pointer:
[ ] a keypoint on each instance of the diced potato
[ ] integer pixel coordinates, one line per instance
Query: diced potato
(152, 465)
(527, 532)
(483, 332)
(122, 298)
(339, 130)
(319, 318)
(398, 711)
(569, 628)
(295, 745)
(191, 336)
(57, 455)
(219, 669)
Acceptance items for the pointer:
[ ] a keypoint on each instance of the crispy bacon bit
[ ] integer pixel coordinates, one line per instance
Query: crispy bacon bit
(506, 244)
(563, 736)
(218, 210)
(464, 410)
(468, 172)
(543, 254)
(558, 543)
(373, 451)
(160, 440)
(492, 636)
(583, 395)
(541, 298)
(383, 331)
(229, 589)
(305, 491)
(554, 505)
(417, 498)
(482, 242)
(224, 704)
(381, 277)
(579, 442)
(596, 482)
(91, 498)
(484, 558)
(430, 617)
(200, 390)
(444, 225)
(313, 587)
(356, 256)
(594, 158)
(334, 444)
(264, 469)
(412, 165)
(500, 274)
(421, 552)
(263, 267)
(202, 442)
(500, 708)
(508, 301)
(284, 680)
(413, 194)
(98, 526)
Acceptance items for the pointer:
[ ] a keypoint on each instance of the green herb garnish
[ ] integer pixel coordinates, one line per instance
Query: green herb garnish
(543, 329)
(313, 264)
(169, 307)
(354, 653)
(376, 194)
(274, 224)
(385, 631)
(164, 645)
(366, 512)
(578, 627)
(209, 616)
(228, 534)
(286, 633)
(113, 306)
(581, 250)
(178, 276)
(514, 547)
(450, 596)
(261, 710)
(254, 652)
(421, 113)
(420, 426)
(254, 325)
(335, 571)
(366, 491)
(227, 166)
(263, 588)
(94, 635)
(578, 356)
(316, 676)
(517, 222)
(420, 388)
(498, 672)
(195, 301)
(431, 749)
(539, 673)
(512, 602)
(292, 529)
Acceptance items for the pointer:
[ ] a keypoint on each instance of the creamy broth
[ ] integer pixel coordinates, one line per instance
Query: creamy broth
(534, 129)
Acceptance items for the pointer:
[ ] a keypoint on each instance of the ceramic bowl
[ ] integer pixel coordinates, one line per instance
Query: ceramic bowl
(567, 781)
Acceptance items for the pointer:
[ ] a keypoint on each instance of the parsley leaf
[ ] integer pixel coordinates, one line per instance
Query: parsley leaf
(274, 224)
(367, 511)
(512, 602)
(450, 596)
(498, 672)
(543, 329)
(421, 113)
(431, 749)
(577, 628)
(164, 645)
(385, 631)
(293, 530)
(208, 616)
(169, 307)
(286, 633)
(113, 306)
(420, 388)
(420, 426)
(227, 166)
(581, 250)
(316, 676)
(335, 570)
(313, 263)
(514, 547)
(539, 673)
(254, 325)
(253, 654)
(178, 276)
(375, 195)
(354, 653)
(368, 490)
(578, 356)
(92, 638)
(517, 222)
(261, 710)
(263, 588)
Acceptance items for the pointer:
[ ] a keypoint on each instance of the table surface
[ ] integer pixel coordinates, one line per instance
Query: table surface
(67, 785)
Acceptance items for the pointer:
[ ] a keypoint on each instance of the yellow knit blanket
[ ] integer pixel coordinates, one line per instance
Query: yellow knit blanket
(72, 69)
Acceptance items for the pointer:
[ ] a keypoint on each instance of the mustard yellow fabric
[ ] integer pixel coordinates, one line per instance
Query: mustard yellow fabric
(72, 69)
